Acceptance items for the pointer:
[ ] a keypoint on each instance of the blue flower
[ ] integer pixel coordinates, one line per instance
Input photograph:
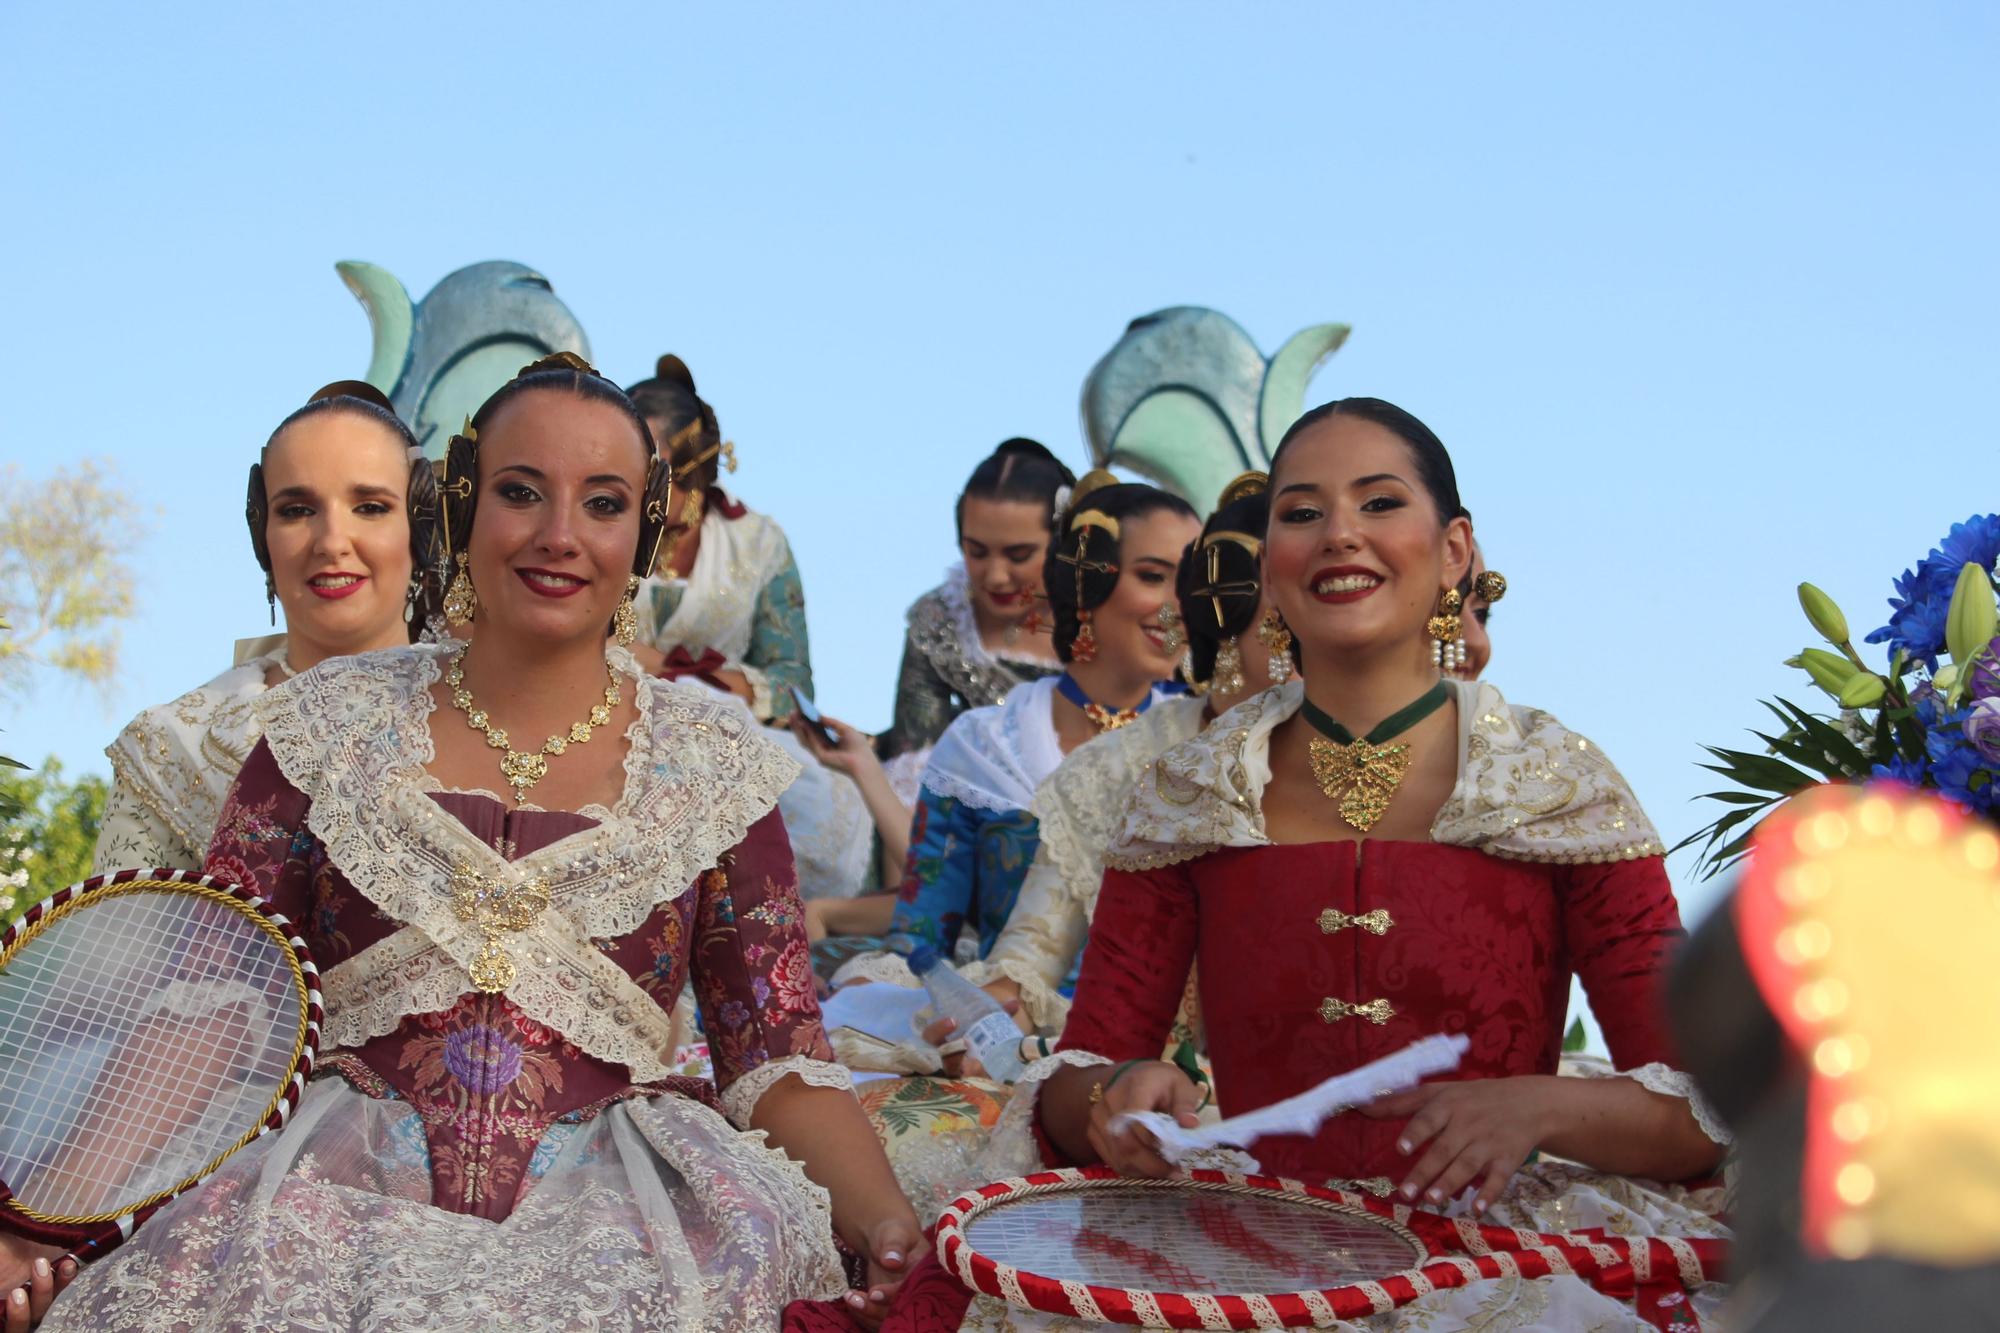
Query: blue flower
(1923, 595)
(1909, 772)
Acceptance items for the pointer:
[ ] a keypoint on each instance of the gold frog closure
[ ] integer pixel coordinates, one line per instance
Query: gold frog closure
(495, 909)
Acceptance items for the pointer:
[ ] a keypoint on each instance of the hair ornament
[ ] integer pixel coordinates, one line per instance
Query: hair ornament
(1094, 518)
(1060, 503)
(559, 361)
(1249, 484)
(1094, 480)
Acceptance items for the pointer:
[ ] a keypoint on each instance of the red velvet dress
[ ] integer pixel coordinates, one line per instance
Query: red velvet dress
(1422, 938)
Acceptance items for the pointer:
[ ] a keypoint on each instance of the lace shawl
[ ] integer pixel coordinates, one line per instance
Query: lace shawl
(171, 768)
(353, 735)
(1528, 789)
(718, 602)
(994, 758)
(1078, 809)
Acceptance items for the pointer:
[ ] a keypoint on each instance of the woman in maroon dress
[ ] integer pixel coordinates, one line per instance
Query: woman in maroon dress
(1374, 854)
(502, 925)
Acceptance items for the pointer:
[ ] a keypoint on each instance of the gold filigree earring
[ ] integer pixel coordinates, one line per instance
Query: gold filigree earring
(460, 601)
(1227, 678)
(625, 620)
(1276, 636)
(1173, 631)
(1447, 631)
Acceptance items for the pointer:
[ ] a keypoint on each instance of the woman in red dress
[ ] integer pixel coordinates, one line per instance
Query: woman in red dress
(1377, 853)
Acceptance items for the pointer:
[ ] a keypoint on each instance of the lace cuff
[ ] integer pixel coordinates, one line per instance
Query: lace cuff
(1663, 1079)
(1044, 1006)
(760, 691)
(742, 1096)
(1673, 1083)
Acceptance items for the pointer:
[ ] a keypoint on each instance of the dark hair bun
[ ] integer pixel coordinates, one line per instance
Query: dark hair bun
(674, 370)
(1018, 469)
(1220, 582)
(361, 389)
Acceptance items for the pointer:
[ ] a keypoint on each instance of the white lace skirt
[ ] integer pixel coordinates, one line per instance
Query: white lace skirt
(654, 1215)
(833, 835)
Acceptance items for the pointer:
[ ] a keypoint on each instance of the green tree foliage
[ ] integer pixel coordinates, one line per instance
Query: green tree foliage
(48, 830)
(66, 576)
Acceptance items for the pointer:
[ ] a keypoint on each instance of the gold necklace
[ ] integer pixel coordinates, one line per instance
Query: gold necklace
(1363, 774)
(524, 768)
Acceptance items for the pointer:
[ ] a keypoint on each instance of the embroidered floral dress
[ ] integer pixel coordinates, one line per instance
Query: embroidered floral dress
(171, 768)
(947, 670)
(743, 601)
(522, 1159)
(1317, 958)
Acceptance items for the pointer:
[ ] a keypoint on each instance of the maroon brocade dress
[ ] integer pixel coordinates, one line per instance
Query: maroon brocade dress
(521, 1159)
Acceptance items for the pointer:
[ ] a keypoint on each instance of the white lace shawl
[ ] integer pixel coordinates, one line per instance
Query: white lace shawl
(1078, 809)
(994, 758)
(718, 606)
(171, 768)
(1528, 789)
(353, 735)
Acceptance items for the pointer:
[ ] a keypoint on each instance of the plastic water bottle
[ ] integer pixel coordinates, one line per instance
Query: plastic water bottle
(987, 1028)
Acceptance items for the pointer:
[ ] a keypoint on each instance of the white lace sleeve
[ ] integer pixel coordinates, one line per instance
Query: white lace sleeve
(742, 1096)
(1660, 1078)
(761, 704)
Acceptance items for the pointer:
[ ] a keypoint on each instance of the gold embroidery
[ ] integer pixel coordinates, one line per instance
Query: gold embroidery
(1332, 921)
(494, 909)
(1377, 1012)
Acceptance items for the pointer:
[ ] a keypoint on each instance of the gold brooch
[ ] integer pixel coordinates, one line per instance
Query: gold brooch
(496, 909)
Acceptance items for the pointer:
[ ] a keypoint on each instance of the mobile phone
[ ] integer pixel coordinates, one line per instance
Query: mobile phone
(813, 719)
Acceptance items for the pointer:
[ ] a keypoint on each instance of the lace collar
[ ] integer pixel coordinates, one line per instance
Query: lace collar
(1528, 789)
(353, 734)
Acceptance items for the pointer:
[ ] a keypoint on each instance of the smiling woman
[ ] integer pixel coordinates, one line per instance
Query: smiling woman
(342, 513)
(498, 974)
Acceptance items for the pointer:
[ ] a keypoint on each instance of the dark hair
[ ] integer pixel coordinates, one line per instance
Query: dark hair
(669, 397)
(1020, 470)
(1220, 581)
(1072, 585)
(361, 399)
(1434, 467)
(562, 373)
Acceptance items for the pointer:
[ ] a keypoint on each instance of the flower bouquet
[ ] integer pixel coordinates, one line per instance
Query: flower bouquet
(1917, 722)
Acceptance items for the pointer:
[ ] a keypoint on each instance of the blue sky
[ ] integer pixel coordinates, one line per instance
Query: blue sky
(1700, 296)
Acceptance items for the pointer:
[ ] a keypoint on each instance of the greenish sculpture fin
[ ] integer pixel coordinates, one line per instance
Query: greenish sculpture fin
(390, 316)
(1178, 438)
(1283, 397)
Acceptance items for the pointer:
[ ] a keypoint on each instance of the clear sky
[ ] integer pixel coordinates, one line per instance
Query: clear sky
(1701, 296)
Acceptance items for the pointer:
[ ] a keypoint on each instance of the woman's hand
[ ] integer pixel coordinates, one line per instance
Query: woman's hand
(890, 1250)
(1152, 1086)
(1474, 1130)
(854, 754)
(963, 1063)
(31, 1275)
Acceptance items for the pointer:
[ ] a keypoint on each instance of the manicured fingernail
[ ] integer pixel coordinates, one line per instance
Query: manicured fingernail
(1435, 1195)
(1403, 1146)
(854, 1299)
(41, 1268)
(68, 1269)
(21, 1298)
(1409, 1190)
(892, 1256)
(875, 1294)
(1479, 1205)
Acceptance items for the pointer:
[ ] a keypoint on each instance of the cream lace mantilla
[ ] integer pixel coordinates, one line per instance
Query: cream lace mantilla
(1529, 789)
(353, 734)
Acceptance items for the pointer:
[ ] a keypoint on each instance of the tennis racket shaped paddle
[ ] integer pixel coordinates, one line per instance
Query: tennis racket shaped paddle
(152, 1022)
(1214, 1250)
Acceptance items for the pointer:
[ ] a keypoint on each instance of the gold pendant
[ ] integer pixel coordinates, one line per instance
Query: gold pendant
(491, 970)
(1363, 778)
(1104, 719)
